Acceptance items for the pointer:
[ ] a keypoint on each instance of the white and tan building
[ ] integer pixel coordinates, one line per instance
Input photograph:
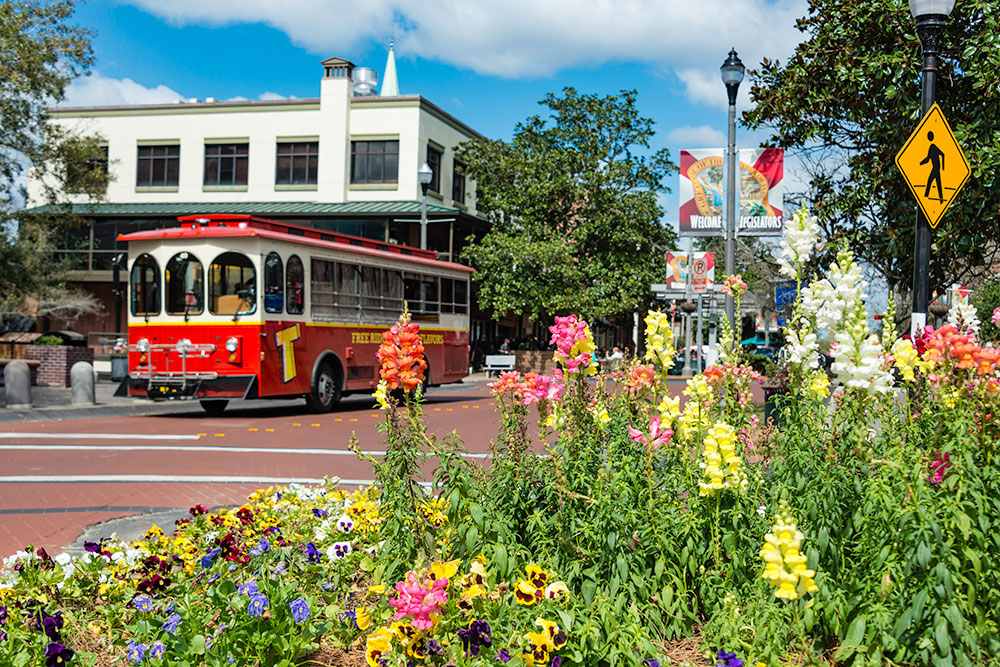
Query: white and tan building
(345, 161)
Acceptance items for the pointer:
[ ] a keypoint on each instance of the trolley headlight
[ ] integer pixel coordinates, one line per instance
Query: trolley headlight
(143, 345)
(232, 344)
(183, 346)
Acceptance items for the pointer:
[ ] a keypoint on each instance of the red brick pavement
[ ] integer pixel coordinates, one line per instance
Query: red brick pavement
(56, 512)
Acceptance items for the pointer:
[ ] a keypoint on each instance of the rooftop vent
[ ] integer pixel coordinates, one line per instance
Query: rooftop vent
(210, 99)
(193, 100)
(365, 80)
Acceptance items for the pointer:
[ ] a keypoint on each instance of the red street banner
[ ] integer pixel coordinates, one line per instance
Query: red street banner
(702, 192)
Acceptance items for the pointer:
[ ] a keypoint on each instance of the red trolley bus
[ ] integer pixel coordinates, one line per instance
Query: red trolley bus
(233, 306)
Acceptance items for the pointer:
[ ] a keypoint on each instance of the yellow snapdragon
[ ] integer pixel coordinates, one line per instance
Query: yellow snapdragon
(669, 409)
(722, 467)
(907, 359)
(819, 384)
(784, 564)
(660, 340)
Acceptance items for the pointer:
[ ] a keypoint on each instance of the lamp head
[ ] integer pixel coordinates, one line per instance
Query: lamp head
(920, 8)
(425, 175)
(733, 70)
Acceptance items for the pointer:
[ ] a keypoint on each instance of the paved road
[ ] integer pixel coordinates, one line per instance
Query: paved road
(58, 477)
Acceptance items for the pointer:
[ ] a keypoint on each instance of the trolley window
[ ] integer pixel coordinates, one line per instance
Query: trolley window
(232, 285)
(144, 284)
(295, 281)
(392, 290)
(274, 296)
(185, 285)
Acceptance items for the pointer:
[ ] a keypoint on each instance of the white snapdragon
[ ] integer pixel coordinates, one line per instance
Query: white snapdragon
(858, 358)
(804, 350)
(799, 237)
(964, 317)
(844, 288)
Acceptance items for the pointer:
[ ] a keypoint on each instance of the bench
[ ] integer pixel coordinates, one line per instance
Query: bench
(498, 362)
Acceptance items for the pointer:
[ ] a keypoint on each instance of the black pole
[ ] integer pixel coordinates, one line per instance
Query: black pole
(929, 28)
(116, 289)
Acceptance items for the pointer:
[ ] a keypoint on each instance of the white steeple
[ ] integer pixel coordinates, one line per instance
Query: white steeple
(390, 86)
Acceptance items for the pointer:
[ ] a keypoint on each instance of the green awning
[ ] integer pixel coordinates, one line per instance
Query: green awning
(264, 209)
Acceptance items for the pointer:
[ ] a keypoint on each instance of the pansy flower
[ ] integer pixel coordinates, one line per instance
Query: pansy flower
(378, 644)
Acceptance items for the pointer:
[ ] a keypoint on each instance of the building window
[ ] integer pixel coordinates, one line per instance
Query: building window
(158, 165)
(458, 183)
(226, 164)
(434, 162)
(298, 163)
(374, 161)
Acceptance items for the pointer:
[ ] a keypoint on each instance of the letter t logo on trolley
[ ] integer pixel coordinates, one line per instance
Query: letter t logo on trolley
(284, 340)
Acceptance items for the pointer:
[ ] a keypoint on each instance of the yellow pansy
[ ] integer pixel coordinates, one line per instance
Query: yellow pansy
(377, 645)
(444, 570)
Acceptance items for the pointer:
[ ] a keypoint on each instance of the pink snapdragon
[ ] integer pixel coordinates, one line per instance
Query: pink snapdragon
(996, 316)
(537, 388)
(939, 467)
(656, 438)
(574, 344)
(420, 600)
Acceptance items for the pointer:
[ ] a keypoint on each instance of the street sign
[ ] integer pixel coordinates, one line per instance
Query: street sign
(785, 294)
(677, 268)
(702, 267)
(933, 165)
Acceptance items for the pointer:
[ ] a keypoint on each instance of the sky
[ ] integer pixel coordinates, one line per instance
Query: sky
(487, 62)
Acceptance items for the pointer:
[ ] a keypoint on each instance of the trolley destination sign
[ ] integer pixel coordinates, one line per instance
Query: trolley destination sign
(933, 165)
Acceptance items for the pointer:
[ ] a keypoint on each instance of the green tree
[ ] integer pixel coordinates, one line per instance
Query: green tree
(849, 97)
(572, 203)
(40, 53)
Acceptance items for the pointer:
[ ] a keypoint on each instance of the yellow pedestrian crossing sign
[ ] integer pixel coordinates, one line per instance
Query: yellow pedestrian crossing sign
(933, 165)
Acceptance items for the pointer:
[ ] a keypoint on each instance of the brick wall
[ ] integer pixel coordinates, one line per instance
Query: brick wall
(56, 362)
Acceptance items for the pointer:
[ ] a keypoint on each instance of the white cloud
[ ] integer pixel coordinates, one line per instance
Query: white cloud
(528, 38)
(96, 90)
(702, 136)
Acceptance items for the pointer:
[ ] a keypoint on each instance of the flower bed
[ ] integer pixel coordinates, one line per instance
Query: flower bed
(862, 532)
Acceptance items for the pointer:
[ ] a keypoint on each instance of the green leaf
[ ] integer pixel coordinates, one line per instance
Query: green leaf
(941, 637)
(923, 554)
(477, 514)
(856, 631)
(588, 589)
(566, 619)
(198, 644)
(500, 558)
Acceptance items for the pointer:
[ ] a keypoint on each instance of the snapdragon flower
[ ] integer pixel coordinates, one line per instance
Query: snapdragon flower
(802, 349)
(858, 358)
(721, 465)
(660, 340)
(838, 293)
(784, 564)
(964, 317)
(574, 345)
(800, 234)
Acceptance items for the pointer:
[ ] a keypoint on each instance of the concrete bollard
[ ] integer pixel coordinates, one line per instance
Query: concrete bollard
(17, 385)
(81, 379)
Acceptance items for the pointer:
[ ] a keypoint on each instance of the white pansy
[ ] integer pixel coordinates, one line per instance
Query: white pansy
(799, 236)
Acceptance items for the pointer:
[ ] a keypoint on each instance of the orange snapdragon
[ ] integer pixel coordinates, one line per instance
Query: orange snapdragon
(402, 355)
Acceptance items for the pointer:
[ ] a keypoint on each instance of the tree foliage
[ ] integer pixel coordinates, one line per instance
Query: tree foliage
(572, 203)
(849, 97)
(40, 53)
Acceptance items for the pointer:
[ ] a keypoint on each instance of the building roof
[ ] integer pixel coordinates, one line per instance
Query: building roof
(171, 209)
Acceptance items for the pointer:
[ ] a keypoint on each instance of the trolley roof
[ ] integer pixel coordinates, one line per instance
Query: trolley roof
(221, 225)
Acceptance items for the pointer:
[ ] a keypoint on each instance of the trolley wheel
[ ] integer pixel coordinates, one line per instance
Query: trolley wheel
(325, 392)
(214, 407)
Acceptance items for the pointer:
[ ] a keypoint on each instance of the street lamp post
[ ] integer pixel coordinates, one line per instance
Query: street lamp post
(732, 74)
(424, 177)
(930, 16)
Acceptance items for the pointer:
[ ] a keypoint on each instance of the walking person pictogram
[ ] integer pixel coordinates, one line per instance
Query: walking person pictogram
(936, 157)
